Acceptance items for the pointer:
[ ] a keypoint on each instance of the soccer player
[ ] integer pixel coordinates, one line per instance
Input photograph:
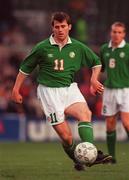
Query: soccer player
(58, 58)
(115, 61)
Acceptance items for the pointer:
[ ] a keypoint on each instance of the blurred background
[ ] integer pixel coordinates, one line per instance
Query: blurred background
(22, 25)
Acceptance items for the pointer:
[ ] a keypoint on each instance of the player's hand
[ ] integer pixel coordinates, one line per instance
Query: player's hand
(96, 87)
(93, 91)
(16, 96)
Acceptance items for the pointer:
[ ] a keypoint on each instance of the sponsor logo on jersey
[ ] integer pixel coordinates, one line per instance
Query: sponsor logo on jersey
(50, 55)
(72, 54)
(122, 54)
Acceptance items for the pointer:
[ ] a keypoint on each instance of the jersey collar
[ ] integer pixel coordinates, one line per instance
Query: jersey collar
(121, 45)
(52, 41)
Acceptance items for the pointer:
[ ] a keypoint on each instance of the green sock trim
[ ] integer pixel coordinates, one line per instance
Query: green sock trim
(85, 131)
(85, 124)
(111, 143)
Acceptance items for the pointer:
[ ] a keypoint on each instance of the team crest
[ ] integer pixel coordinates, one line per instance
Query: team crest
(122, 54)
(50, 55)
(72, 54)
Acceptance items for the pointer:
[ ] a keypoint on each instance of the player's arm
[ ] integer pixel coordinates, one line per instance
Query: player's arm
(96, 86)
(27, 66)
(91, 60)
(16, 96)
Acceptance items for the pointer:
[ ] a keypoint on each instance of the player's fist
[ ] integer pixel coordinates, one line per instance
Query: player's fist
(16, 96)
(96, 87)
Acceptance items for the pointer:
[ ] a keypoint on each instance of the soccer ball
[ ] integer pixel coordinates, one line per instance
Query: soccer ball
(85, 153)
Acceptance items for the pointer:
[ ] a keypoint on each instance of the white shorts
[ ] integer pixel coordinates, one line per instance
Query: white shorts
(55, 100)
(115, 100)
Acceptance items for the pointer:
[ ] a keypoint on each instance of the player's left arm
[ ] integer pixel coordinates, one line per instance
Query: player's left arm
(96, 86)
(91, 60)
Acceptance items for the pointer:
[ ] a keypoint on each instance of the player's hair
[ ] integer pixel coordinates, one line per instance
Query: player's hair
(120, 24)
(60, 16)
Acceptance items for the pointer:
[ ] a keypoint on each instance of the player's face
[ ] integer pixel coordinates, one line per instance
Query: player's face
(117, 34)
(61, 30)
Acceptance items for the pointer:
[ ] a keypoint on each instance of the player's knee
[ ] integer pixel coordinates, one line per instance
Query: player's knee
(86, 116)
(89, 114)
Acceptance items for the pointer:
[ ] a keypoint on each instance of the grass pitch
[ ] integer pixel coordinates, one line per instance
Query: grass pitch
(47, 161)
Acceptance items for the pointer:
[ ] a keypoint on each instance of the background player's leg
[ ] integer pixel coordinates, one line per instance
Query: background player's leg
(125, 121)
(111, 135)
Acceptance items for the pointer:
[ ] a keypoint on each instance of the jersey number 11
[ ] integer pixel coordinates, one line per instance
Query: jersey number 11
(59, 65)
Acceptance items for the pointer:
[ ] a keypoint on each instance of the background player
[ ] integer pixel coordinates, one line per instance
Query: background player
(115, 60)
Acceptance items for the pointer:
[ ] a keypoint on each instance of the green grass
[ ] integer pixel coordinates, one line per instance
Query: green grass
(47, 161)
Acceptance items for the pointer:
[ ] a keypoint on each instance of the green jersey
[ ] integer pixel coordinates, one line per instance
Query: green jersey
(58, 65)
(116, 64)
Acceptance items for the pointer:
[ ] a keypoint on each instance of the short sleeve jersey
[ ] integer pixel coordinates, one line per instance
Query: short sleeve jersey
(116, 64)
(57, 66)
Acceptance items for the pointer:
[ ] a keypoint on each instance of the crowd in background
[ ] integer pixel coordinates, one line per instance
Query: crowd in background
(20, 29)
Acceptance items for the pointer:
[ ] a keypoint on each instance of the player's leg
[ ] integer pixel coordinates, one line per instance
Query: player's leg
(64, 132)
(111, 135)
(124, 109)
(76, 106)
(109, 110)
(125, 121)
(81, 112)
(53, 102)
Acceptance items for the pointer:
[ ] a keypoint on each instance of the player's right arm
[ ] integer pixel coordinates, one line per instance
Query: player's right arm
(27, 66)
(16, 96)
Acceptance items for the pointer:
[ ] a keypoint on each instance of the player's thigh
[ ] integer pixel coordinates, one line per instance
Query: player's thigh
(111, 122)
(53, 103)
(76, 104)
(80, 111)
(125, 119)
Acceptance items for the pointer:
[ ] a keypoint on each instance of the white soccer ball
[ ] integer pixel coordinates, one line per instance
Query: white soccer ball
(85, 153)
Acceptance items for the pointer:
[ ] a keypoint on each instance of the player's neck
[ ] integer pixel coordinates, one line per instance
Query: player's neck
(115, 44)
(61, 42)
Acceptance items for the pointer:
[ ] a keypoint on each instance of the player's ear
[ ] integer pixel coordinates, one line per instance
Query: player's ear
(70, 27)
